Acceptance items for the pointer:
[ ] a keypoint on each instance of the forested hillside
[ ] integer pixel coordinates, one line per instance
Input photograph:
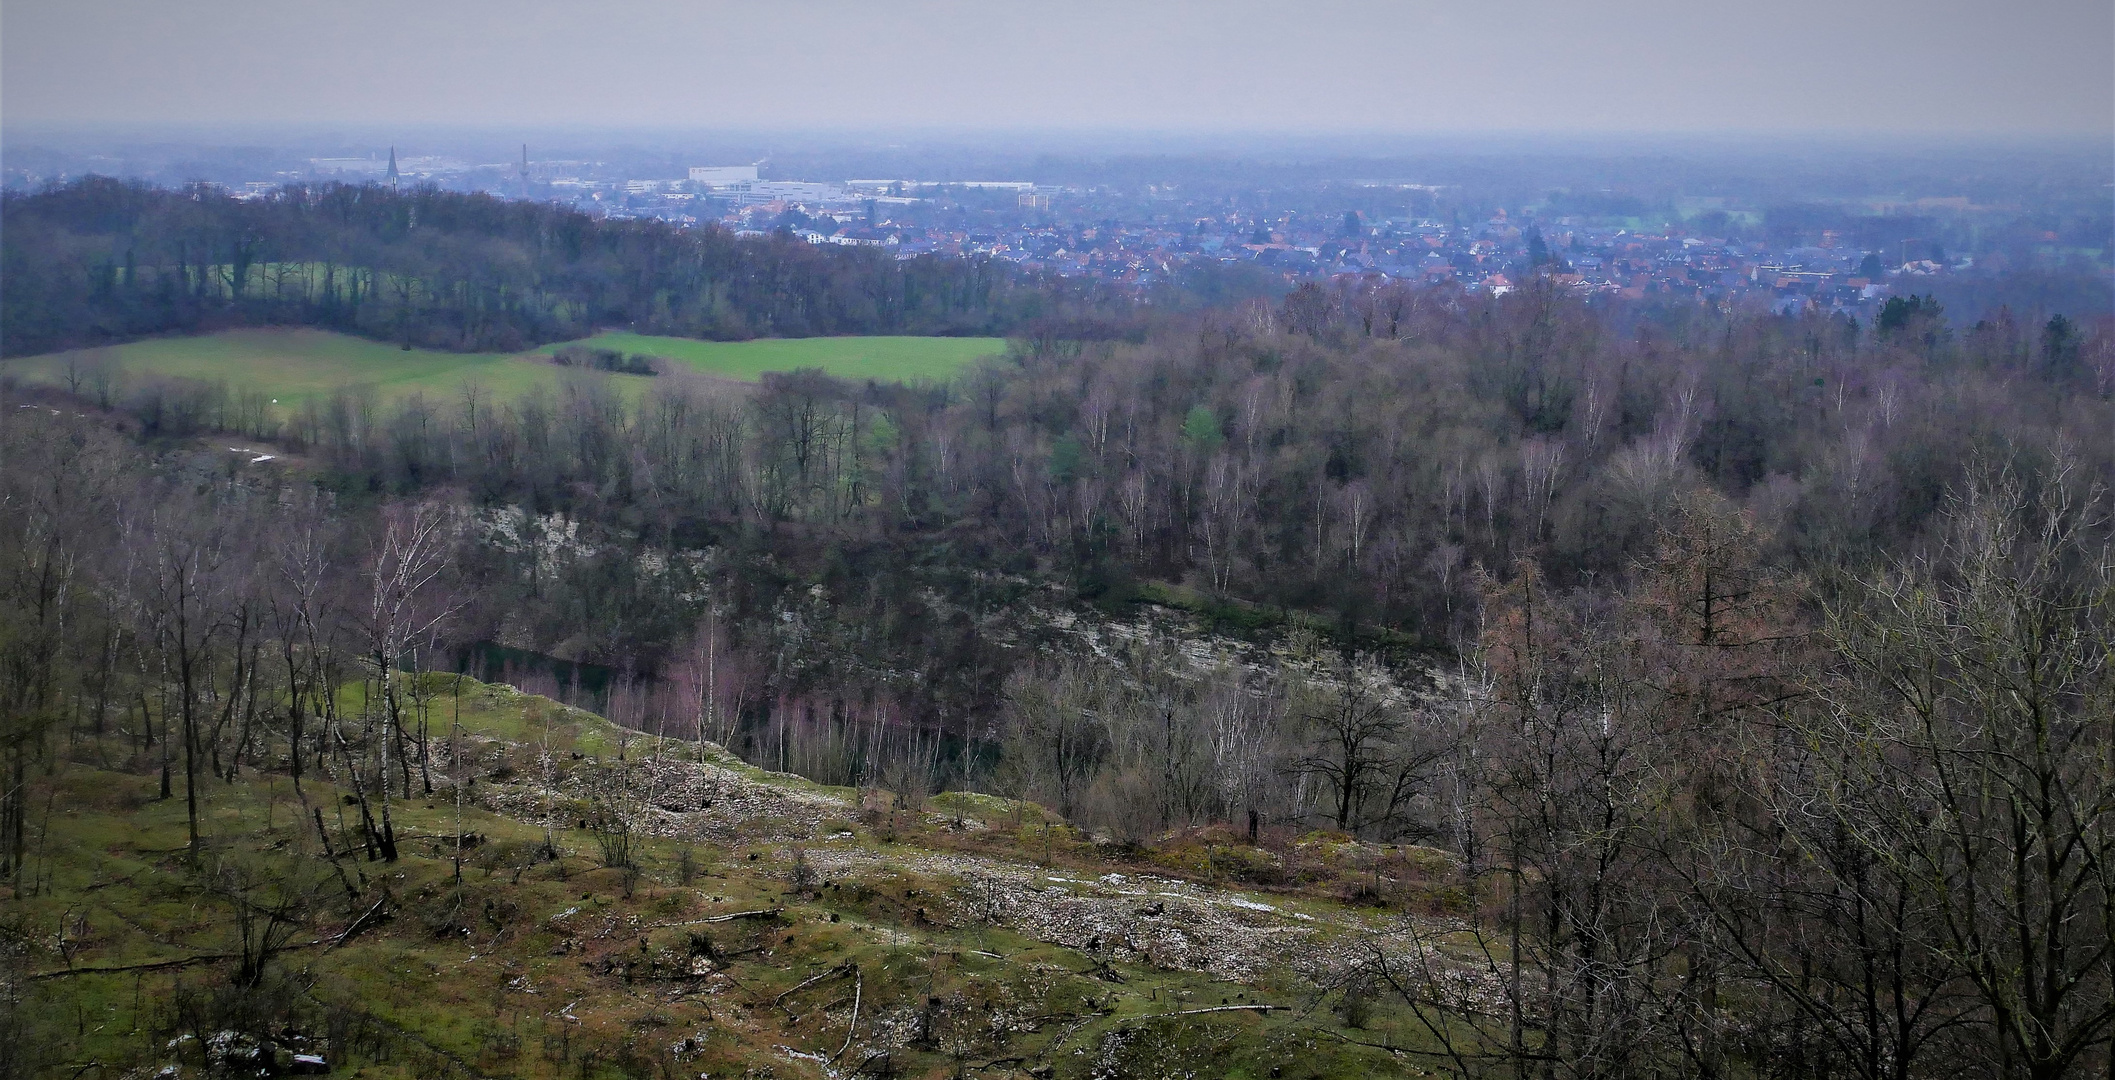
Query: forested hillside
(1359, 456)
(101, 260)
(1743, 678)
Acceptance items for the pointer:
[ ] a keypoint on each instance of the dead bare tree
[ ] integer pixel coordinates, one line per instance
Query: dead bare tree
(408, 558)
(301, 612)
(187, 549)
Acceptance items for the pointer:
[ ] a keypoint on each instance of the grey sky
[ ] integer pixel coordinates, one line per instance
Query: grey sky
(1928, 66)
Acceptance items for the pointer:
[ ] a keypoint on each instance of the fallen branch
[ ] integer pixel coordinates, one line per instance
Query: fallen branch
(840, 969)
(764, 913)
(1390, 1047)
(1069, 1033)
(858, 985)
(157, 965)
(164, 965)
(1200, 1012)
(359, 923)
(1046, 1018)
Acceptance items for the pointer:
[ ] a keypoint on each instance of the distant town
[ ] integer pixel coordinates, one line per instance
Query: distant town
(1718, 250)
(1074, 232)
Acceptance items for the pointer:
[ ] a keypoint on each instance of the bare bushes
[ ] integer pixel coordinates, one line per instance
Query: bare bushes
(611, 360)
(1961, 752)
(1155, 738)
(270, 901)
(1713, 839)
(612, 819)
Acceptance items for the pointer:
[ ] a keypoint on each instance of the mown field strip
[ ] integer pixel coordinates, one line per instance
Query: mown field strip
(291, 365)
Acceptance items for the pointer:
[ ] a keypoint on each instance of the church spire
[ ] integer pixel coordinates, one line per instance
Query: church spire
(393, 178)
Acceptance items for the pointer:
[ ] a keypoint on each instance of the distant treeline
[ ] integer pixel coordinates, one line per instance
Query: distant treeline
(101, 260)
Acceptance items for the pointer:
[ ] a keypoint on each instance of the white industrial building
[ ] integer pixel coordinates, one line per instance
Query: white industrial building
(722, 175)
(741, 185)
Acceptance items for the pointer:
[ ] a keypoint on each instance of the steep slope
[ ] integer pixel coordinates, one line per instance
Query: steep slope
(591, 902)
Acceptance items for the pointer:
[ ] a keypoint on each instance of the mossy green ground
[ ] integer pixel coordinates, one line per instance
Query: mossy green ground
(540, 967)
(292, 365)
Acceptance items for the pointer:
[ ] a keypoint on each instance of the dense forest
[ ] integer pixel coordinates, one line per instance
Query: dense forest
(1358, 463)
(102, 260)
(1753, 671)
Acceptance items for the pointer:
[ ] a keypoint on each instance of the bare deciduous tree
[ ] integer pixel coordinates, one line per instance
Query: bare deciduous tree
(408, 558)
(1967, 738)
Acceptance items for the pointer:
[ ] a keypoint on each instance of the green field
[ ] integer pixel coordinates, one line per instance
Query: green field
(888, 359)
(292, 365)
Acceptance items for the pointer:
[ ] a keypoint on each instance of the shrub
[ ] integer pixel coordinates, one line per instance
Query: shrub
(611, 360)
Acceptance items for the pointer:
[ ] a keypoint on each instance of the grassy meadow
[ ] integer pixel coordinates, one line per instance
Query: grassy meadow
(886, 359)
(296, 364)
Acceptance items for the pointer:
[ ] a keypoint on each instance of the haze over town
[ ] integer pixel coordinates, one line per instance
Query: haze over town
(1946, 68)
(1057, 542)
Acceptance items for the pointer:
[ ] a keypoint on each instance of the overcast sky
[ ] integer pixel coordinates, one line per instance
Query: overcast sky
(1970, 67)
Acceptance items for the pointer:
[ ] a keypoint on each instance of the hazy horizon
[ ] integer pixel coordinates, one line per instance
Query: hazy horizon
(1349, 69)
